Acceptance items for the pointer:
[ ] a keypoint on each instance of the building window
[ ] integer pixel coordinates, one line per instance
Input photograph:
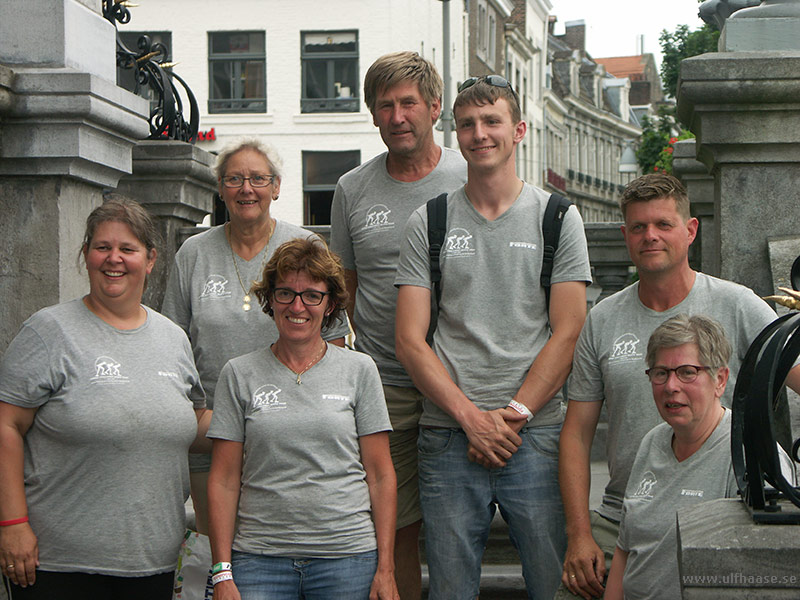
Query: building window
(126, 78)
(492, 43)
(321, 171)
(330, 71)
(482, 33)
(237, 71)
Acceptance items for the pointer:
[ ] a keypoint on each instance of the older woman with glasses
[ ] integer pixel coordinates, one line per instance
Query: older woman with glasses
(302, 491)
(208, 292)
(682, 462)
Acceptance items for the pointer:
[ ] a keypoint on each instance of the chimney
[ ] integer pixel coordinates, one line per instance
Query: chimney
(551, 24)
(575, 35)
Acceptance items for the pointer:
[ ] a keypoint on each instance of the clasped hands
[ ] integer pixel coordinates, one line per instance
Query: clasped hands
(494, 436)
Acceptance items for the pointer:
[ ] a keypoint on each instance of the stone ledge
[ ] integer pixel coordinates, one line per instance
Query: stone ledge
(720, 548)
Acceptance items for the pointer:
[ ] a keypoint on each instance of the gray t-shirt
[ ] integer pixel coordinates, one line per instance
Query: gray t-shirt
(106, 476)
(369, 211)
(303, 492)
(492, 315)
(204, 297)
(609, 363)
(659, 486)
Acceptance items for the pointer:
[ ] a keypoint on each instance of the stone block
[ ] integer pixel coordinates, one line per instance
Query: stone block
(768, 34)
(58, 33)
(722, 553)
(68, 123)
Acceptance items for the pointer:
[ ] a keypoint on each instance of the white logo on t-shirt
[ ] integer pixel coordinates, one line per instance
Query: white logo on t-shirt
(526, 245)
(378, 218)
(645, 489)
(106, 370)
(215, 287)
(266, 398)
(459, 243)
(626, 348)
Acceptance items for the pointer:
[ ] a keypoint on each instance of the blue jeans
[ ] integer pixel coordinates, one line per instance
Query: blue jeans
(458, 500)
(261, 577)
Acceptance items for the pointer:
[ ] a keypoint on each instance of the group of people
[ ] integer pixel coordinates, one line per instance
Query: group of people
(320, 464)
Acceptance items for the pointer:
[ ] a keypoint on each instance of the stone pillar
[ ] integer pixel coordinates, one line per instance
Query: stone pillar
(744, 107)
(176, 182)
(608, 256)
(67, 132)
(700, 186)
(723, 554)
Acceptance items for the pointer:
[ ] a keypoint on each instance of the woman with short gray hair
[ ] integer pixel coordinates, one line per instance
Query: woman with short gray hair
(680, 463)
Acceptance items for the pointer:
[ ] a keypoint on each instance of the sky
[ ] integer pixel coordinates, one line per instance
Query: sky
(612, 26)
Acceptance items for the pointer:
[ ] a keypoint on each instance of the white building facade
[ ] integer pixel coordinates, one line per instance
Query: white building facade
(291, 73)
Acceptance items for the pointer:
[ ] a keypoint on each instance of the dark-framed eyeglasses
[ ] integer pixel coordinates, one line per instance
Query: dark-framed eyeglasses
(237, 181)
(307, 297)
(684, 373)
(493, 80)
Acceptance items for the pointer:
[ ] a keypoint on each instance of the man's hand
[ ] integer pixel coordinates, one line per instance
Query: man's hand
(584, 567)
(493, 436)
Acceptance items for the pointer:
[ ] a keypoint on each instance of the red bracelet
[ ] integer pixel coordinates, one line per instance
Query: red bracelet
(14, 521)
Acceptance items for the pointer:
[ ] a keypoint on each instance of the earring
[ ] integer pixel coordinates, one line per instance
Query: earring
(275, 198)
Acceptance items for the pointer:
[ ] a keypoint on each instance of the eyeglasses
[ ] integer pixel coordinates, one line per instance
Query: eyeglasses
(237, 181)
(684, 373)
(307, 297)
(493, 80)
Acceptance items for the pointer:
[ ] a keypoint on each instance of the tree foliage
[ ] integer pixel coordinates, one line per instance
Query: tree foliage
(680, 44)
(656, 132)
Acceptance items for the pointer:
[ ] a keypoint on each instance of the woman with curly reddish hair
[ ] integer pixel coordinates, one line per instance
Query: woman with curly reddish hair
(302, 491)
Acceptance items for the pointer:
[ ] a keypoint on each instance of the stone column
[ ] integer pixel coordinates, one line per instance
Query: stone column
(745, 109)
(176, 182)
(703, 253)
(67, 132)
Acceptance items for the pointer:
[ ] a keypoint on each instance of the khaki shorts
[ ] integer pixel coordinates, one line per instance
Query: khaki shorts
(605, 533)
(405, 409)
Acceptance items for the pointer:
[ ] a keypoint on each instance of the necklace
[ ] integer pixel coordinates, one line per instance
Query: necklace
(312, 362)
(246, 299)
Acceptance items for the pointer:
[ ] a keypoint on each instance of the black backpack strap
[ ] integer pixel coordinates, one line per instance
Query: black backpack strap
(437, 224)
(557, 207)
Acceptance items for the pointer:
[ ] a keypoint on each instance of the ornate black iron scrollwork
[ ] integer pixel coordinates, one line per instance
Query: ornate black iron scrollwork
(753, 449)
(167, 119)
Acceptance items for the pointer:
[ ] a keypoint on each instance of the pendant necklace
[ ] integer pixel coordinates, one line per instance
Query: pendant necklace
(313, 361)
(246, 300)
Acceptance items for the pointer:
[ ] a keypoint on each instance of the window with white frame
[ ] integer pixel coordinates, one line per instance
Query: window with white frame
(237, 71)
(492, 42)
(330, 71)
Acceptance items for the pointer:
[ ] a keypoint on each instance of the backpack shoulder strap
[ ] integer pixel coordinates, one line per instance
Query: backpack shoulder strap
(437, 224)
(557, 207)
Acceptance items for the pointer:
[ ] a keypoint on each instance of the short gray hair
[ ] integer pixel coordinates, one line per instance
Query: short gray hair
(713, 347)
(248, 143)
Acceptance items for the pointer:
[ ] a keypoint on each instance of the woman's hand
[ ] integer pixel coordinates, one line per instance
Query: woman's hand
(226, 590)
(383, 586)
(19, 553)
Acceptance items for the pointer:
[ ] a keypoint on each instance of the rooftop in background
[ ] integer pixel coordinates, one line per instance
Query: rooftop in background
(642, 71)
(625, 66)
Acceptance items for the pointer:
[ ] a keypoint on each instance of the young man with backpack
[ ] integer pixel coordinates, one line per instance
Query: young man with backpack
(491, 379)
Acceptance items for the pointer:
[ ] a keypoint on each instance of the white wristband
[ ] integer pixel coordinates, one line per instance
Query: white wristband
(221, 576)
(521, 409)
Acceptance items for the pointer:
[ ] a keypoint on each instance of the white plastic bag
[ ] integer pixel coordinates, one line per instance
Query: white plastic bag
(193, 574)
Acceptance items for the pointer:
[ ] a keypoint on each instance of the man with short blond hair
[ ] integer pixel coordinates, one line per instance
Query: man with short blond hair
(370, 206)
(609, 365)
(491, 419)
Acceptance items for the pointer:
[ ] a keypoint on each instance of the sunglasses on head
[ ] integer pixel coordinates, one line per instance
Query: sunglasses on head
(493, 80)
